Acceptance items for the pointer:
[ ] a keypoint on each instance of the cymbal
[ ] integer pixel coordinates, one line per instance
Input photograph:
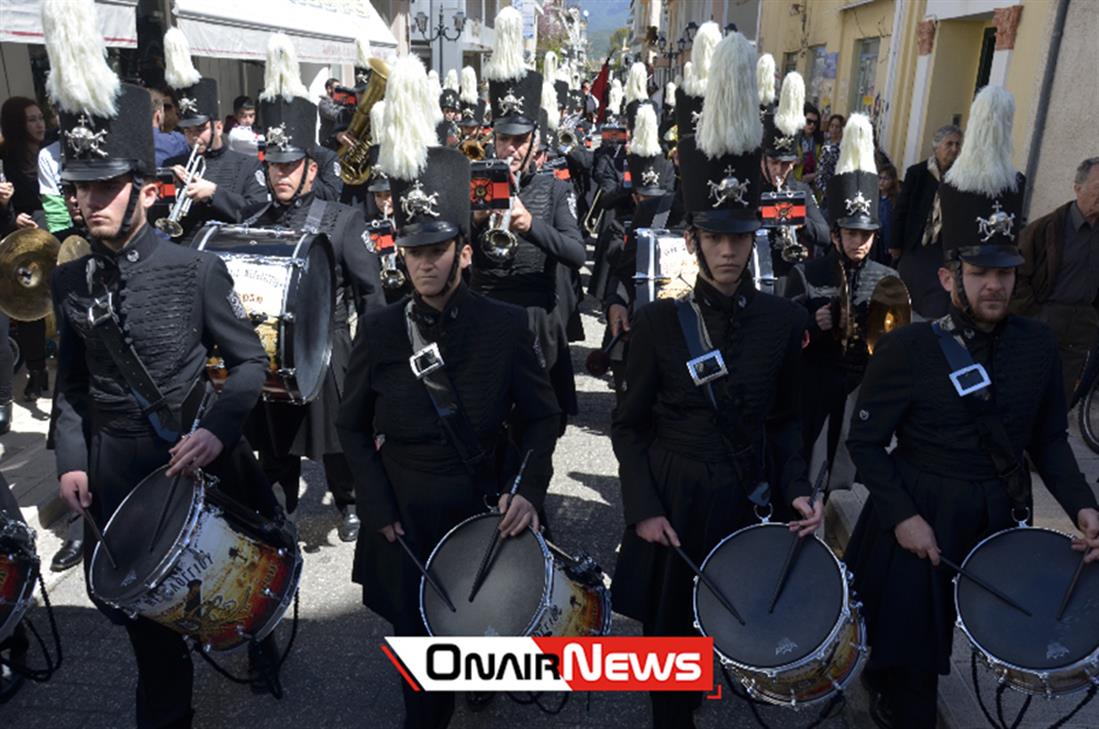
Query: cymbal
(72, 248)
(27, 260)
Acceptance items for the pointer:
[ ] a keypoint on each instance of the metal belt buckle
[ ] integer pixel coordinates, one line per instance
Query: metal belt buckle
(970, 379)
(707, 367)
(426, 361)
(101, 309)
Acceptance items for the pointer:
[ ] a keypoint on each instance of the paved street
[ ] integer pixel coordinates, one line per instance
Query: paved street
(337, 676)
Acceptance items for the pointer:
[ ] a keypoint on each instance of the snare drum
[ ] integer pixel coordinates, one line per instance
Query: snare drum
(533, 588)
(18, 571)
(218, 574)
(1040, 654)
(286, 283)
(811, 646)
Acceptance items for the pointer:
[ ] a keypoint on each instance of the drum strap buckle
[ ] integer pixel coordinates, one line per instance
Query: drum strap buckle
(426, 360)
(707, 367)
(970, 379)
(101, 309)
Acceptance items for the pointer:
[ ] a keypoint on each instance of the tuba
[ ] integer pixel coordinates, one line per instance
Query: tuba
(354, 158)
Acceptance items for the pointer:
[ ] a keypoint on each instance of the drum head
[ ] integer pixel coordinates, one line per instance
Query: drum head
(1033, 567)
(130, 533)
(511, 595)
(747, 566)
(311, 332)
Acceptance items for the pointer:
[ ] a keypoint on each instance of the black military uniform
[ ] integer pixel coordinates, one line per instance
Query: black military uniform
(530, 278)
(173, 305)
(285, 433)
(239, 177)
(610, 177)
(941, 468)
(416, 475)
(328, 185)
(696, 461)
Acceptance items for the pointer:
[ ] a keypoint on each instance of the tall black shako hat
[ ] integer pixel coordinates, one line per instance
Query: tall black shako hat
(782, 125)
(514, 91)
(196, 97)
(106, 125)
(982, 194)
(853, 188)
(287, 117)
(688, 97)
(430, 184)
(651, 172)
(720, 164)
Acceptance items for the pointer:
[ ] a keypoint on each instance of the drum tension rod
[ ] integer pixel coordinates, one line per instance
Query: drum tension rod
(984, 585)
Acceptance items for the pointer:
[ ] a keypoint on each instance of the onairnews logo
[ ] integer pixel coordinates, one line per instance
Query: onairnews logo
(617, 663)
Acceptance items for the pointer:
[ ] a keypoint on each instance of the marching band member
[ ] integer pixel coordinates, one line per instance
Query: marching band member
(765, 80)
(943, 488)
(696, 74)
(416, 474)
(232, 181)
(544, 225)
(692, 454)
(167, 305)
(837, 353)
(284, 433)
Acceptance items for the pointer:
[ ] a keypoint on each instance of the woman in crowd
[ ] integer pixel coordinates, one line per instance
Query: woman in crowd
(809, 147)
(888, 187)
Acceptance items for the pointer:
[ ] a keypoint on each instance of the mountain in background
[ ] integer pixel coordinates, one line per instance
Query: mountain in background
(604, 17)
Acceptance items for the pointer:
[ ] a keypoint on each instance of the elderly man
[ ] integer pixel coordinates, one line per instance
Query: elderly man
(917, 225)
(1059, 282)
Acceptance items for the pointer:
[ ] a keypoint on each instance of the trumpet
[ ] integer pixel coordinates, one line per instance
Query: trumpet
(567, 139)
(498, 243)
(392, 276)
(196, 168)
(472, 148)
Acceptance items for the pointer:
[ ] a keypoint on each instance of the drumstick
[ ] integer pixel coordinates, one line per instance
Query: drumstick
(175, 481)
(427, 575)
(984, 585)
(1071, 587)
(725, 602)
(482, 571)
(598, 361)
(99, 536)
(795, 546)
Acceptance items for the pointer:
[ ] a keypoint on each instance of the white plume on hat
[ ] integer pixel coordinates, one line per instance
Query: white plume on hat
(549, 101)
(614, 97)
(985, 163)
(434, 91)
(637, 83)
(469, 85)
(790, 116)
(857, 146)
(702, 53)
(669, 95)
(377, 121)
(281, 75)
(549, 66)
(765, 79)
(407, 127)
(730, 121)
(179, 71)
(80, 79)
(362, 53)
(646, 136)
(506, 61)
(451, 81)
(687, 77)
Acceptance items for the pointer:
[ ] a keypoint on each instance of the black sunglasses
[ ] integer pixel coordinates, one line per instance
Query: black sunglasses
(810, 120)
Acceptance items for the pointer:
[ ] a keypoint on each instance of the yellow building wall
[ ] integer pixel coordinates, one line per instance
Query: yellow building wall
(954, 61)
(1027, 67)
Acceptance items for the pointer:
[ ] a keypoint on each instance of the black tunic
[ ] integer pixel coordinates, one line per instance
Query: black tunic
(310, 430)
(405, 468)
(674, 460)
(328, 185)
(616, 201)
(241, 185)
(939, 472)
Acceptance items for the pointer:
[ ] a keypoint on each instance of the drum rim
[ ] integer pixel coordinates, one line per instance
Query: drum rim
(604, 591)
(157, 574)
(286, 345)
(847, 610)
(994, 663)
(23, 602)
(547, 584)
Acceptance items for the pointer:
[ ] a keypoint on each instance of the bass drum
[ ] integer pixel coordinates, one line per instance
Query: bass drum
(533, 588)
(286, 282)
(1036, 654)
(814, 642)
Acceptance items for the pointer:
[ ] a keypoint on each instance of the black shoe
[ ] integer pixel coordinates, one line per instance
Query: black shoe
(70, 555)
(263, 667)
(38, 385)
(5, 417)
(348, 530)
(878, 708)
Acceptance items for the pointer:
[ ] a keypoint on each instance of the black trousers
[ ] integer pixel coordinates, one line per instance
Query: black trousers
(423, 709)
(286, 471)
(672, 709)
(911, 695)
(31, 336)
(7, 360)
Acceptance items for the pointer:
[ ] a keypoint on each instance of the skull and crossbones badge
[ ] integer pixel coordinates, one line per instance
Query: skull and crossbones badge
(84, 140)
(999, 223)
(510, 104)
(650, 178)
(417, 202)
(277, 138)
(188, 106)
(730, 188)
(857, 205)
(782, 143)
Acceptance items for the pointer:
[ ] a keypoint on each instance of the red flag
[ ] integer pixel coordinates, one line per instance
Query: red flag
(600, 87)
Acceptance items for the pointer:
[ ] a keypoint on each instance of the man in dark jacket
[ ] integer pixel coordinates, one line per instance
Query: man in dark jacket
(917, 224)
(1059, 281)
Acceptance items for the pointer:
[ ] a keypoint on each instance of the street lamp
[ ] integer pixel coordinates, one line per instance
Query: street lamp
(682, 43)
(440, 32)
(661, 42)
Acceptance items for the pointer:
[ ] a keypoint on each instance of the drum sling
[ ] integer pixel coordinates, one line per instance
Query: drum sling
(973, 384)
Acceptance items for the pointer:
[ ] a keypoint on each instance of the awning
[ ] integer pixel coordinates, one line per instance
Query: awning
(324, 31)
(21, 22)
